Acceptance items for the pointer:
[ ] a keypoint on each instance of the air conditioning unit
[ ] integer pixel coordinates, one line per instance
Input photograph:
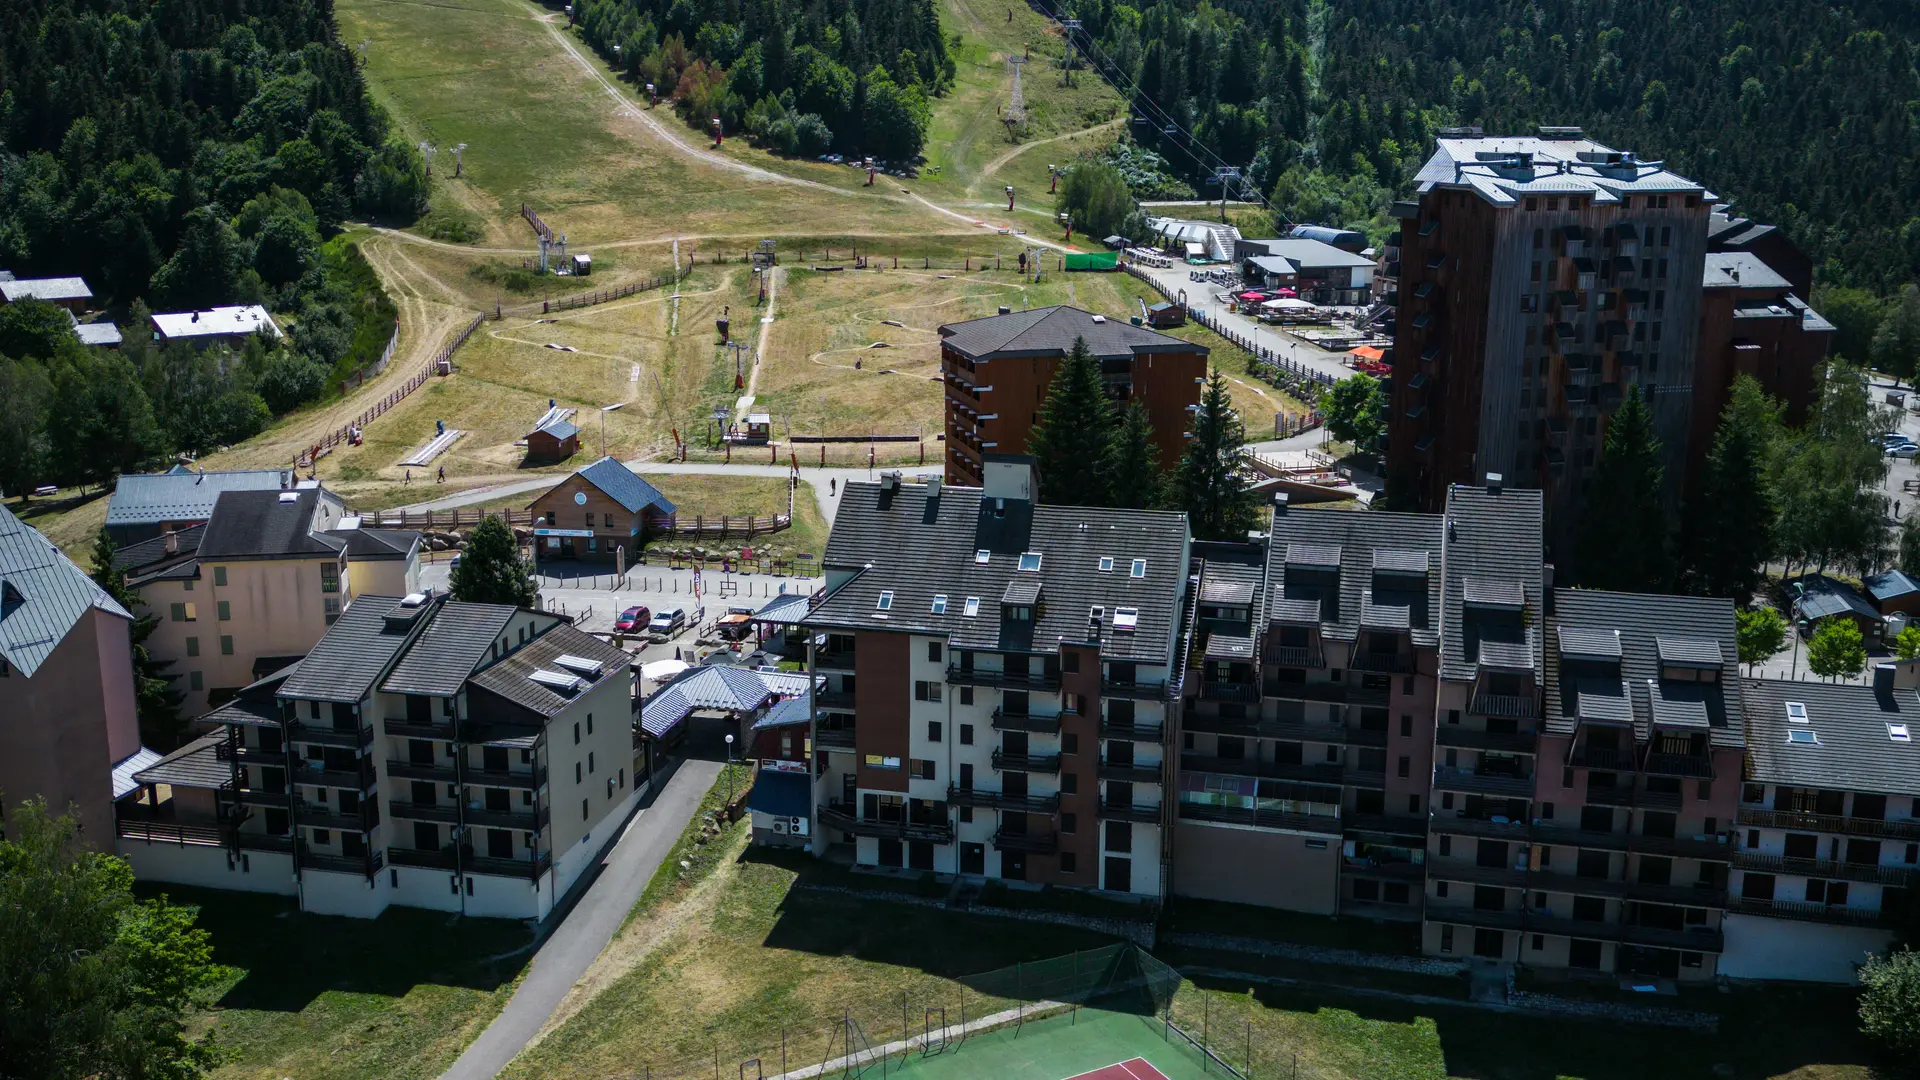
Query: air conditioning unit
(797, 826)
(780, 826)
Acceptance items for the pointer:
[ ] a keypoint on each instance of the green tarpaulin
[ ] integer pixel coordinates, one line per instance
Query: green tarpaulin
(1098, 260)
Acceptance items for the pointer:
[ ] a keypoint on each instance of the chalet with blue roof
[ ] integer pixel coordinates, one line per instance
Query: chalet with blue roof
(601, 513)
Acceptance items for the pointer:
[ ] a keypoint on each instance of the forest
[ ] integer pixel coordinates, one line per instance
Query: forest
(801, 77)
(1806, 116)
(179, 154)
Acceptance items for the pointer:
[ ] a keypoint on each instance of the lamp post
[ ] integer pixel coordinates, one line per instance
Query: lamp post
(729, 769)
(604, 410)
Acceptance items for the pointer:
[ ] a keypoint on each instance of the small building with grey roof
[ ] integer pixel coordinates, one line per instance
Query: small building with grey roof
(145, 505)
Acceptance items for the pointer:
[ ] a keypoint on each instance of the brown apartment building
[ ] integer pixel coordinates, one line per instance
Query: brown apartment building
(601, 513)
(999, 683)
(998, 370)
(1537, 279)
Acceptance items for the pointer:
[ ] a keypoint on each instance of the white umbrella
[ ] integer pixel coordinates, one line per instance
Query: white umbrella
(660, 670)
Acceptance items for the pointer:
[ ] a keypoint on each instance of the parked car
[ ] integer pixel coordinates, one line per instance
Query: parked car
(1904, 450)
(632, 619)
(667, 621)
(1892, 437)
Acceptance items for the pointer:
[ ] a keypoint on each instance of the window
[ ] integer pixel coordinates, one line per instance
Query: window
(966, 812)
(186, 585)
(966, 734)
(1070, 702)
(1127, 618)
(589, 723)
(933, 651)
(925, 690)
(576, 733)
(589, 763)
(1069, 822)
(583, 810)
(1803, 738)
(1030, 562)
(923, 768)
(609, 519)
(219, 575)
(226, 612)
(1070, 662)
(179, 613)
(981, 557)
(1106, 564)
(193, 646)
(933, 731)
(226, 644)
(1446, 844)
(1539, 235)
(1139, 569)
(1446, 936)
(194, 681)
(1413, 804)
(1406, 767)
(966, 695)
(1406, 726)
(1069, 784)
(878, 761)
(329, 577)
(885, 603)
(322, 837)
(332, 609)
(577, 776)
(1067, 863)
(1069, 742)
(973, 607)
(940, 603)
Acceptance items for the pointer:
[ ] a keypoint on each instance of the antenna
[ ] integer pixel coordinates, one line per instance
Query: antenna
(457, 163)
(426, 151)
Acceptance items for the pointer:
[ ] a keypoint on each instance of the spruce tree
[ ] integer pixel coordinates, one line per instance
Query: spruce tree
(1623, 542)
(1069, 443)
(1132, 464)
(1731, 523)
(156, 703)
(1209, 484)
(491, 570)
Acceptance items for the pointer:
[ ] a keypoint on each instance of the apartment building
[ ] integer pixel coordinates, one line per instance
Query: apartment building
(1307, 732)
(1828, 840)
(998, 681)
(68, 731)
(147, 505)
(428, 753)
(998, 371)
(254, 588)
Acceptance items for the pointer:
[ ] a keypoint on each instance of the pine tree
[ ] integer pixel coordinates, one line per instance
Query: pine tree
(156, 703)
(1132, 464)
(1070, 442)
(1623, 543)
(491, 570)
(1731, 523)
(1209, 483)
(1896, 343)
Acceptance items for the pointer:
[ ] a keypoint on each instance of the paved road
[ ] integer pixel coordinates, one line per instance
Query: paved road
(587, 929)
(1200, 297)
(826, 494)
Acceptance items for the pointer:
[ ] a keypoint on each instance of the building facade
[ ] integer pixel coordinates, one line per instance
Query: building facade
(602, 513)
(470, 758)
(999, 369)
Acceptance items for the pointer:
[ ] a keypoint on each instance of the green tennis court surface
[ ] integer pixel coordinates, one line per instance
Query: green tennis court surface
(1069, 1045)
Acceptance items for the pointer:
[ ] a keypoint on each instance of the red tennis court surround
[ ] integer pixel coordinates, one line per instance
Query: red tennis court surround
(1130, 1069)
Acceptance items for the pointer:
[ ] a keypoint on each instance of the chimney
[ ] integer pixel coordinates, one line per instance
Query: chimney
(1735, 272)
(1494, 480)
(1883, 678)
(173, 542)
(890, 481)
(933, 488)
(1279, 504)
(1005, 310)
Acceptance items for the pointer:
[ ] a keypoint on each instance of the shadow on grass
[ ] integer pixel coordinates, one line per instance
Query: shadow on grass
(287, 958)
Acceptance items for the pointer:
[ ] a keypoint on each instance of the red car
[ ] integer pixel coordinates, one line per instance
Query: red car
(634, 618)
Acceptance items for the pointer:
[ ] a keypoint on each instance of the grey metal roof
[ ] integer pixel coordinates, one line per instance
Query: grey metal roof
(623, 486)
(1302, 253)
(1307, 543)
(1690, 652)
(127, 768)
(789, 712)
(1022, 590)
(786, 609)
(1888, 584)
(1229, 647)
(97, 333)
(1557, 168)
(1588, 642)
(919, 546)
(1604, 699)
(1821, 597)
(181, 494)
(1643, 623)
(510, 677)
(49, 289)
(376, 545)
(354, 653)
(1854, 752)
(559, 429)
(719, 688)
(1051, 331)
(263, 524)
(1491, 539)
(42, 595)
(1740, 270)
(136, 557)
(195, 765)
(459, 638)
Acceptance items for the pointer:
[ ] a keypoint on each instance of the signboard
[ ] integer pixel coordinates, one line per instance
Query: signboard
(777, 765)
(563, 532)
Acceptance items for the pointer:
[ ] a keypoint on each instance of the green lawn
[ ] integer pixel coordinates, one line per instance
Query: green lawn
(323, 998)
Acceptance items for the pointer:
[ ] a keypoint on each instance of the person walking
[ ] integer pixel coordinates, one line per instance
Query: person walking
(408, 482)
(443, 475)
(833, 484)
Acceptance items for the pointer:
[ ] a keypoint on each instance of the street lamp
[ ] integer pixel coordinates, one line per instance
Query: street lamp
(729, 768)
(604, 410)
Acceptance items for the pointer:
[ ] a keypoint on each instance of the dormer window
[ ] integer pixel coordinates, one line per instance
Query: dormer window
(1139, 569)
(1030, 562)
(885, 602)
(1018, 612)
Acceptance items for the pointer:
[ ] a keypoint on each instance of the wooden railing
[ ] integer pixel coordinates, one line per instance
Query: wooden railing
(533, 219)
(465, 517)
(441, 360)
(598, 296)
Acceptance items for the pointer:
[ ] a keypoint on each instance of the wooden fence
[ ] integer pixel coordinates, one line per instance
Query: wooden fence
(599, 296)
(728, 528)
(700, 527)
(533, 219)
(465, 517)
(344, 432)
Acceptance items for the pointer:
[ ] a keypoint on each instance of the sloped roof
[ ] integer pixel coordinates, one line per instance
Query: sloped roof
(1740, 270)
(788, 712)
(377, 544)
(1888, 584)
(1493, 545)
(1850, 720)
(623, 486)
(195, 765)
(510, 678)
(97, 333)
(265, 524)
(352, 655)
(1300, 253)
(785, 609)
(454, 644)
(181, 494)
(721, 688)
(215, 322)
(559, 429)
(1628, 639)
(125, 771)
(1051, 331)
(42, 595)
(1331, 567)
(50, 289)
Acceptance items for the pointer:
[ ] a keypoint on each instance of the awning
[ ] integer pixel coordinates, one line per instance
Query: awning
(123, 781)
(1369, 352)
(781, 794)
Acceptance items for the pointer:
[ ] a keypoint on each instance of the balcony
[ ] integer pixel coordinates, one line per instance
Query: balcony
(437, 729)
(1325, 824)
(1393, 871)
(1510, 706)
(1711, 848)
(1139, 772)
(1361, 776)
(207, 832)
(1034, 723)
(1806, 912)
(1514, 831)
(313, 773)
(833, 659)
(1308, 772)
(834, 738)
(249, 755)
(321, 816)
(1659, 800)
(1584, 757)
(530, 868)
(1351, 736)
(1295, 656)
(1399, 663)
(1899, 829)
(1475, 917)
(531, 819)
(410, 770)
(1320, 731)
(1138, 813)
(259, 841)
(1386, 825)
(1244, 693)
(1011, 680)
(1871, 873)
(1132, 730)
(1505, 877)
(1029, 843)
(442, 859)
(1000, 800)
(1499, 742)
(1495, 784)
(1329, 692)
(365, 865)
(1622, 795)
(831, 817)
(275, 800)
(1697, 766)
(530, 781)
(841, 700)
(1026, 763)
(412, 811)
(300, 731)
(1574, 836)
(1144, 689)
(1689, 939)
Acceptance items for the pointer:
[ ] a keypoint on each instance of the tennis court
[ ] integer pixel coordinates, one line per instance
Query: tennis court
(1082, 1044)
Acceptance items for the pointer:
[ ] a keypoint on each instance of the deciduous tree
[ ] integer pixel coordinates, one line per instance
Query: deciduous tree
(1355, 409)
(491, 570)
(1096, 198)
(1759, 633)
(1836, 650)
(1896, 342)
(1890, 1002)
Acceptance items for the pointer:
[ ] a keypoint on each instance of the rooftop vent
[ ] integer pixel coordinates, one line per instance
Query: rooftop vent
(1100, 318)
(933, 487)
(1899, 733)
(1796, 712)
(557, 681)
(1126, 618)
(1494, 480)
(580, 665)
(890, 481)
(289, 496)
(1005, 310)
(413, 600)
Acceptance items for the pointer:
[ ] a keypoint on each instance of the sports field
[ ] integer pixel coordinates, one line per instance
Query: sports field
(1080, 1044)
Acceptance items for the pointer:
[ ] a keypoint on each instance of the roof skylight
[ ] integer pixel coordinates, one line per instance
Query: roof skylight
(1139, 568)
(973, 606)
(1106, 564)
(1803, 737)
(940, 603)
(1126, 618)
(1797, 712)
(980, 557)
(885, 602)
(1899, 733)
(1030, 562)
